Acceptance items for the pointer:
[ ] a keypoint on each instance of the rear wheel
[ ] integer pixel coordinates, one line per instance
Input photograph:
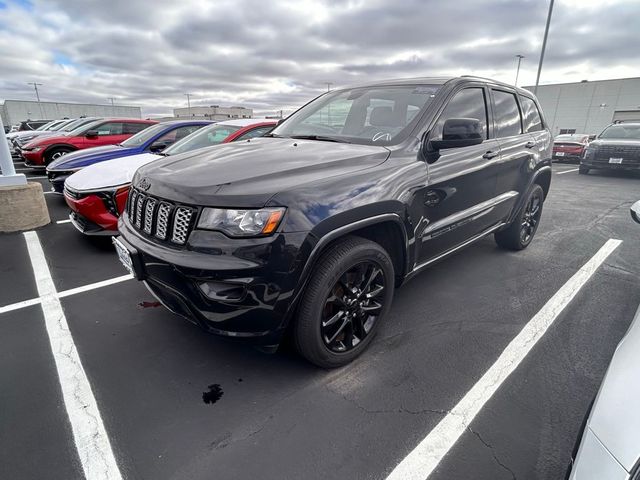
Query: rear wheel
(583, 170)
(519, 234)
(348, 295)
(56, 153)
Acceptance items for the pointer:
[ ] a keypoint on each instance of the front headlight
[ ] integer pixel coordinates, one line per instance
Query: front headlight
(34, 149)
(242, 223)
(588, 152)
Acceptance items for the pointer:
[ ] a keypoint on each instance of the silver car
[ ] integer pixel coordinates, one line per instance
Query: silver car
(610, 445)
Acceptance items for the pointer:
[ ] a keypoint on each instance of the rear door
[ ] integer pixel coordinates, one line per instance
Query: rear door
(516, 147)
(457, 203)
(108, 133)
(534, 126)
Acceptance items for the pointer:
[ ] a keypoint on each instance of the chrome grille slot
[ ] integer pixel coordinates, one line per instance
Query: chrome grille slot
(181, 223)
(162, 220)
(138, 214)
(148, 215)
(133, 197)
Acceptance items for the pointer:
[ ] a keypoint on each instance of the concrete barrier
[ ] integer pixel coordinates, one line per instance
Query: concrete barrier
(22, 207)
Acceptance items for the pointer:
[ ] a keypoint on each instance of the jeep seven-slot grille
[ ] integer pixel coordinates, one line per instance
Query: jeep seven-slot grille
(159, 218)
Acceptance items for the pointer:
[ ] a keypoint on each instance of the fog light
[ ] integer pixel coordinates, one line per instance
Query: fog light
(229, 292)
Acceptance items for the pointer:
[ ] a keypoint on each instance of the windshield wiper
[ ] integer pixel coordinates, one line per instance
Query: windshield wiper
(320, 138)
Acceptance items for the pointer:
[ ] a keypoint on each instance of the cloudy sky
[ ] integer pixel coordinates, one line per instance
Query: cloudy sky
(277, 54)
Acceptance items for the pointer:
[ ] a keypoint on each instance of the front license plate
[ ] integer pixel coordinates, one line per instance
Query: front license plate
(124, 255)
(615, 160)
(559, 154)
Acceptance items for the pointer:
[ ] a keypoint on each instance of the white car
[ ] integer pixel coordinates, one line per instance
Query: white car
(97, 194)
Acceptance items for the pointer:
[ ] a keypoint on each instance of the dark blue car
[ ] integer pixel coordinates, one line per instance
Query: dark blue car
(153, 139)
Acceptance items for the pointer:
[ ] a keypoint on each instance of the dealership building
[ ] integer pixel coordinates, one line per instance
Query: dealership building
(213, 112)
(14, 111)
(588, 107)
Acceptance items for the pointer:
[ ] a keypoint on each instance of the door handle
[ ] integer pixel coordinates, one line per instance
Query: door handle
(490, 154)
(530, 144)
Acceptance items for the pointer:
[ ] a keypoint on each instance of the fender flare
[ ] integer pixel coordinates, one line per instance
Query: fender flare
(532, 181)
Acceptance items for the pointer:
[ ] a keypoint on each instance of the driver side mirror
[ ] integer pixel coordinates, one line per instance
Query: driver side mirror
(635, 211)
(158, 146)
(91, 134)
(459, 132)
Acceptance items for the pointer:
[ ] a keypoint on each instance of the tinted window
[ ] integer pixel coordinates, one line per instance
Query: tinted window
(507, 114)
(256, 132)
(133, 128)
(109, 128)
(621, 131)
(532, 119)
(468, 103)
(205, 137)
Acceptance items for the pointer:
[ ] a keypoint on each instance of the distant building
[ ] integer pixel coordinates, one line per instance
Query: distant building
(213, 112)
(14, 111)
(588, 107)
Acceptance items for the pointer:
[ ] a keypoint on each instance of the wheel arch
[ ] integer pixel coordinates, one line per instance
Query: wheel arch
(54, 146)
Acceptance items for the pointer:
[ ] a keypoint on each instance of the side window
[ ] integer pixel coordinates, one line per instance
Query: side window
(332, 115)
(507, 114)
(468, 103)
(109, 128)
(532, 120)
(256, 132)
(177, 134)
(132, 128)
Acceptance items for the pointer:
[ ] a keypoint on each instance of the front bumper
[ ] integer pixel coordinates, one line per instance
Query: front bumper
(57, 179)
(237, 288)
(595, 462)
(567, 157)
(610, 166)
(33, 159)
(90, 215)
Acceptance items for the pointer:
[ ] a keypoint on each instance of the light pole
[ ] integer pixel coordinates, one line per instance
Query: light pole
(329, 86)
(112, 99)
(520, 57)
(188, 95)
(35, 86)
(544, 46)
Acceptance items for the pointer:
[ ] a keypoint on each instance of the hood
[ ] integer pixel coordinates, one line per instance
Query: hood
(111, 173)
(44, 140)
(615, 418)
(248, 174)
(89, 156)
(622, 142)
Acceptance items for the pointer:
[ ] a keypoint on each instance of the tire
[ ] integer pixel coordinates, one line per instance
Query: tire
(518, 236)
(327, 296)
(583, 170)
(56, 153)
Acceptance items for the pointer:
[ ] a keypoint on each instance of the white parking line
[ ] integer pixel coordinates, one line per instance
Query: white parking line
(92, 442)
(567, 171)
(38, 177)
(66, 293)
(59, 222)
(423, 460)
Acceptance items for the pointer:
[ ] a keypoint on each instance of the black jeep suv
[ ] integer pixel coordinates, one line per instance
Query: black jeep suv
(616, 148)
(308, 231)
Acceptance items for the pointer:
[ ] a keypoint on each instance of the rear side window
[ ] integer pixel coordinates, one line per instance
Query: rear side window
(532, 119)
(109, 128)
(133, 128)
(467, 103)
(507, 114)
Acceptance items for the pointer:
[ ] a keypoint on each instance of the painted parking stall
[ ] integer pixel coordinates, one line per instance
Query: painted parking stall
(148, 369)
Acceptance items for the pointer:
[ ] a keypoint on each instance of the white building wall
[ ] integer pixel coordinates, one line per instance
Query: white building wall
(14, 111)
(588, 107)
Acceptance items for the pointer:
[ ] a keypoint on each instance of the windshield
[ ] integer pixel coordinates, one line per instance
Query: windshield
(205, 137)
(80, 126)
(382, 115)
(47, 126)
(572, 138)
(144, 136)
(631, 132)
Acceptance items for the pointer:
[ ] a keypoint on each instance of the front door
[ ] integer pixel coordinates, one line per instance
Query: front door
(458, 201)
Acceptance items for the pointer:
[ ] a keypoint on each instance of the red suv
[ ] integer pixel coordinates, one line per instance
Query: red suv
(109, 131)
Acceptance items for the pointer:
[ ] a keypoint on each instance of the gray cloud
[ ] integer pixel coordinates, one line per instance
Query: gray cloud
(280, 54)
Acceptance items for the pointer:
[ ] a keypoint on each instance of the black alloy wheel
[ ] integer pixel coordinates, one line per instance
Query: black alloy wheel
(345, 302)
(520, 232)
(353, 306)
(530, 219)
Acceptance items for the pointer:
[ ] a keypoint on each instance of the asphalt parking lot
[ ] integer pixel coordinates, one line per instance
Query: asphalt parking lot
(177, 403)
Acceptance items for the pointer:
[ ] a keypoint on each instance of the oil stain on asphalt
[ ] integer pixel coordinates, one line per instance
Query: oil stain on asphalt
(213, 395)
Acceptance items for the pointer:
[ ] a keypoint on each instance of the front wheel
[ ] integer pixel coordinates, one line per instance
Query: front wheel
(344, 303)
(56, 153)
(519, 234)
(583, 170)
